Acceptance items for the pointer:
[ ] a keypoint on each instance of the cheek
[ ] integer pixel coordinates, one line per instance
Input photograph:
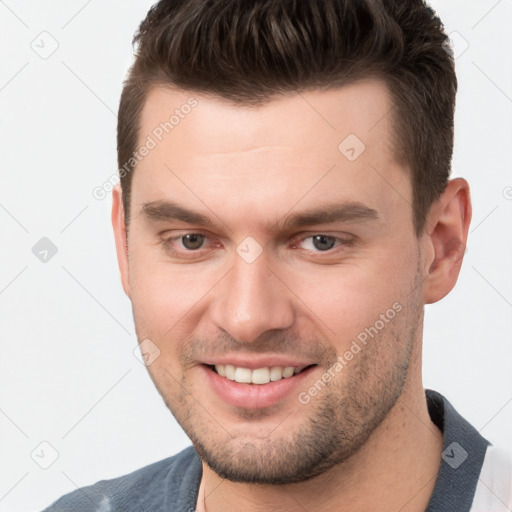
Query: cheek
(166, 298)
(344, 300)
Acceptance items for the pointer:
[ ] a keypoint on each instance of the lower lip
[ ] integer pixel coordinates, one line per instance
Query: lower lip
(254, 396)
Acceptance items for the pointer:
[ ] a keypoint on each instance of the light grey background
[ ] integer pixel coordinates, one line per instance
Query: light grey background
(68, 375)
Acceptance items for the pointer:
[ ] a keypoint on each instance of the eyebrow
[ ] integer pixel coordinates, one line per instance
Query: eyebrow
(169, 211)
(352, 211)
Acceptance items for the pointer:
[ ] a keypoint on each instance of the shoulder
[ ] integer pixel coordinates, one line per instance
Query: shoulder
(494, 489)
(157, 487)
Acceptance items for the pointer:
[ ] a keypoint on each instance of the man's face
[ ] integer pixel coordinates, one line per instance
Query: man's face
(258, 278)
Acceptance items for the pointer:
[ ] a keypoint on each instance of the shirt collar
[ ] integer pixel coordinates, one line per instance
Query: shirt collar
(461, 460)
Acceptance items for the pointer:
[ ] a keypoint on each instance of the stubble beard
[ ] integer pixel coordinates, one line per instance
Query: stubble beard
(337, 423)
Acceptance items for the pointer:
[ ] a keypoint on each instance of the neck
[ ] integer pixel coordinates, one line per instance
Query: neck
(396, 469)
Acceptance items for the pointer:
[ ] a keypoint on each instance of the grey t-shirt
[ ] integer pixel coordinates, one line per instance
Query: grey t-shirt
(172, 484)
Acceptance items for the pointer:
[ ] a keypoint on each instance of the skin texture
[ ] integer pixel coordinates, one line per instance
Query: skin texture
(365, 439)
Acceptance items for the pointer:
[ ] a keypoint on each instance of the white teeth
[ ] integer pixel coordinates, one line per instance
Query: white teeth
(288, 371)
(260, 376)
(276, 373)
(230, 372)
(257, 376)
(243, 375)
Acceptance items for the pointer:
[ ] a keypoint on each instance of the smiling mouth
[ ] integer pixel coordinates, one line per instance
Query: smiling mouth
(259, 376)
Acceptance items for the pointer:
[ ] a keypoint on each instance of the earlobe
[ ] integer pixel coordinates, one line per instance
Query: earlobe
(118, 224)
(447, 228)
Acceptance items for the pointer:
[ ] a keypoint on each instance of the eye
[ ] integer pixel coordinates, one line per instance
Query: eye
(192, 241)
(321, 243)
(189, 245)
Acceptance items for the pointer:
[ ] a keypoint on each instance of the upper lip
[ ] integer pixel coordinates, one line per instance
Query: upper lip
(254, 362)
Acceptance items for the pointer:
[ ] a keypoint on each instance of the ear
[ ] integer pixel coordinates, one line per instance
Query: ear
(118, 223)
(446, 235)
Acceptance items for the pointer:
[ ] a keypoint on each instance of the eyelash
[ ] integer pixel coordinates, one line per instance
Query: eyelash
(168, 243)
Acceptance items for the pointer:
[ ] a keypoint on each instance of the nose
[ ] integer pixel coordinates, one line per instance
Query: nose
(252, 300)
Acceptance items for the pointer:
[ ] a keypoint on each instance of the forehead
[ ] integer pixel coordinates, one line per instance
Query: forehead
(334, 144)
(362, 108)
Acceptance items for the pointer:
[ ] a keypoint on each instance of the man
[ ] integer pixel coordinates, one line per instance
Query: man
(285, 213)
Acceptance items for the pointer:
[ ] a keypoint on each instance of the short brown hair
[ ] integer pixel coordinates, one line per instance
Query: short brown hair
(250, 51)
